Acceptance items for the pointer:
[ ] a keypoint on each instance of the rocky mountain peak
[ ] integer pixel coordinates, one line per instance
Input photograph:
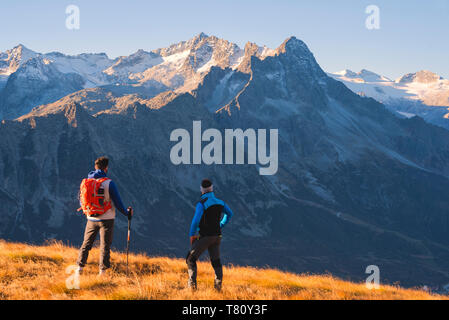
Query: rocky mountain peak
(21, 49)
(292, 45)
(201, 36)
(295, 54)
(12, 59)
(423, 76)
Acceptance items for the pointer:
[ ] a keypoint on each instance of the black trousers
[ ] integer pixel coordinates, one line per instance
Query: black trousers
(105, 228)
(212, 244)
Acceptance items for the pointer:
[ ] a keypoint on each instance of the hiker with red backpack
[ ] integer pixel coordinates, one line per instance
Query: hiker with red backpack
(99, 198)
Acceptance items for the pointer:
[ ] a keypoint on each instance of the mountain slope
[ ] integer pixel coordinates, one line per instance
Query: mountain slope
(38, 273)
(355, 185)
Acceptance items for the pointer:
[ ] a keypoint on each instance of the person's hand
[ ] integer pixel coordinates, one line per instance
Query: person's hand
(192, 239)
(130, 212)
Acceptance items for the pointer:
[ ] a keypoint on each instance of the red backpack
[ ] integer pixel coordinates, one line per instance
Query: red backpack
(92, 197)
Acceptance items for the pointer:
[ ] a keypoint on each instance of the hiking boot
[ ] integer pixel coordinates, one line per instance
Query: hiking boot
(217, 285)
(79, 271)
(192, 286)
(103, 273)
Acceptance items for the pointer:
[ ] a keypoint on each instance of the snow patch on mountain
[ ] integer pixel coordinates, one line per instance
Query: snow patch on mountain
(134, 63)
(176, 59)
(406, 114)
(317, 187)
(362, 76)
(423, 93)
(423, 86)
(88, 66)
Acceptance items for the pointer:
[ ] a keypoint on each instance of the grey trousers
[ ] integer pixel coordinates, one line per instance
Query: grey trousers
(105, 228)
(212, 244)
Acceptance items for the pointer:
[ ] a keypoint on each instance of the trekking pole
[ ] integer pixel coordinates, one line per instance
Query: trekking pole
(128, 238)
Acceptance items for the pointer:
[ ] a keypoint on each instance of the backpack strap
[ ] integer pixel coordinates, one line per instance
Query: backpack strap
(203, 201)
(101, 180)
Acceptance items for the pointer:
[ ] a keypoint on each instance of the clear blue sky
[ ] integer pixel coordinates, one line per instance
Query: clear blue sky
(413, 34)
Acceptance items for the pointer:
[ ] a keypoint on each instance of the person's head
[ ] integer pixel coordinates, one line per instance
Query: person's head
(102, 163)
(206, 186)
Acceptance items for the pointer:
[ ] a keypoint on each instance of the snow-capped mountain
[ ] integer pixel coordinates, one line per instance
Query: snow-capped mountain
(355, 186)
(12, 59)
(179, 67)
(137, 62)
(423, 86)
(31, 79)
(423, 93)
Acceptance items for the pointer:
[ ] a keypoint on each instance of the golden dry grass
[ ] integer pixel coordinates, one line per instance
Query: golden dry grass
(39, 272)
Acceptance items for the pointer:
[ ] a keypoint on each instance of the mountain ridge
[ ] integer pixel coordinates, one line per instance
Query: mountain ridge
(179, 67)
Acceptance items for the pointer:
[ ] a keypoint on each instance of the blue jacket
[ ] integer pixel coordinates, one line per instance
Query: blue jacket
(200, 210)
(113, 192)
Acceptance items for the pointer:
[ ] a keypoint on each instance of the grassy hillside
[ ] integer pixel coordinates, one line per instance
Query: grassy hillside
(39, 272)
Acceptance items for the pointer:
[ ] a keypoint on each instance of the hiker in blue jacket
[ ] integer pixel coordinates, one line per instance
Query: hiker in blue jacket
(208, 222)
